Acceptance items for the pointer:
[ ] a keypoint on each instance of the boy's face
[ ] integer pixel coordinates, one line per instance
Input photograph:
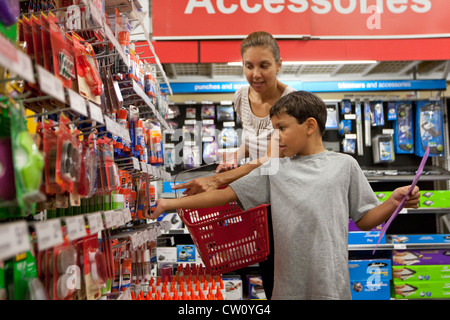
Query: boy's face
(291, 135)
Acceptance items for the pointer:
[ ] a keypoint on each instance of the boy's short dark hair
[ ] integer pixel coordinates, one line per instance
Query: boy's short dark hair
(302, 105)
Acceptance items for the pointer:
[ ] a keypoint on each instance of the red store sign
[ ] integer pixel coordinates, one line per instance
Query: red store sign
(324, 19)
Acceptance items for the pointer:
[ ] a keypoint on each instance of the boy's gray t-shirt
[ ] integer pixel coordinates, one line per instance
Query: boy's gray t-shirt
(312, 198)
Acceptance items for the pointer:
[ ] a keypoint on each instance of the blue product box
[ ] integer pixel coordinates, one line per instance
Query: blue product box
(403, 128)
(368, 290)
(167, 187)
(352, 226)
(365, 237)
(419, 238)
(378, 269)
(185, 253)
(429, 128)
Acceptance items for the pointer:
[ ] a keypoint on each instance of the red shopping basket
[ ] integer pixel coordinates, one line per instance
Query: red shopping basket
(228, 238)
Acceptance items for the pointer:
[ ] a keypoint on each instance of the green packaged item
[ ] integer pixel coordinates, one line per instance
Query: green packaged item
(402, 274)
(19, 273)
(434, 199)
(28, 162)
(421, 290)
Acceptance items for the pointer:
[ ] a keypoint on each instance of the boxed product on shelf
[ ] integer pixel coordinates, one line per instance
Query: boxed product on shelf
(255, 288)
(401, 274)
(420, 257)
(172, 218)
(383, 195)
(352, 226)
(370, 279)
(186, 253)
(434, 198)
(166, 254)
(365, 237)
(365, 290)
(421, 290)
(362, 269)
(419, 238)
(233, 287)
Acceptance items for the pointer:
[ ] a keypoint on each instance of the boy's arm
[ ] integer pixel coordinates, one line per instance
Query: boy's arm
(208, 199)
(384, 210)
(203, 184)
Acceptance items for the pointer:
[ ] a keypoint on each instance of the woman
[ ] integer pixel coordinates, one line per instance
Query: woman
(261, 62)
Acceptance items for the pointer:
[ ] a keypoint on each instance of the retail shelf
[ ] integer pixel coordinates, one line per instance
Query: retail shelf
(430, 173)
(399, 246)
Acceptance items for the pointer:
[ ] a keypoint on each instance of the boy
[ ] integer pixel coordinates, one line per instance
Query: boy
(313, 193)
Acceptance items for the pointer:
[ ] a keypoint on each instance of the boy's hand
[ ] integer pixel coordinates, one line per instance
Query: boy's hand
(413, 199)
(160, 209)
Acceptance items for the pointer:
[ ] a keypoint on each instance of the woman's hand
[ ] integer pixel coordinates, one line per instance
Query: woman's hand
(197, 185)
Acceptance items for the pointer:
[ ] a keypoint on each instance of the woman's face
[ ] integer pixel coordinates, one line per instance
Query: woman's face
(260, 68)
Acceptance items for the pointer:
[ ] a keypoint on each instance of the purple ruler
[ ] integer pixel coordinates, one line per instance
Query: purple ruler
(402, 203)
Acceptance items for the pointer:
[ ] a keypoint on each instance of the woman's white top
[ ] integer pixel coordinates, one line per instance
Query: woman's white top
(256, 131)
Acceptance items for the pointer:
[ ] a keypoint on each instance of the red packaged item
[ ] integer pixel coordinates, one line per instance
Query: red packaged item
(63, 60)
(87, 69)
(67, 157)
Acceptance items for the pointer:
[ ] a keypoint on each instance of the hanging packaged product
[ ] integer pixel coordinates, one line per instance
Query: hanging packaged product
(88, 172)
(139, 136)
(67, 157)
(429, 128)
(7, 183)
(228, 138)
(383, 148)
(377, 113)
(109, 173)
(403, 128)
(28, 161)
(156, 153)
(63, 60)
(50, 147)
(21, 277)
(9, 12)
(90, 84)
(210, 150)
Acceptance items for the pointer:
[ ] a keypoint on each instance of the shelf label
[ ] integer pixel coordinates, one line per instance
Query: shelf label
(76, 227)
(15, 60)
(48, 234)
(50, 84)
(14, 239)
(77, 103)
(109, 219)
(96, 113)
(95, 222)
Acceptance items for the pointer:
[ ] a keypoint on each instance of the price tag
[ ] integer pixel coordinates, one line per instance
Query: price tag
(76, 227)
(50, 84)
(48, 234)
(77, 103)
(14, 239)
(136, 163)
(126, 213)
(96, 112)
(95, 222)
(400, 246)
(144, 167)
(109, 219)
(15, 60)
(110, 126)
(118, 217)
